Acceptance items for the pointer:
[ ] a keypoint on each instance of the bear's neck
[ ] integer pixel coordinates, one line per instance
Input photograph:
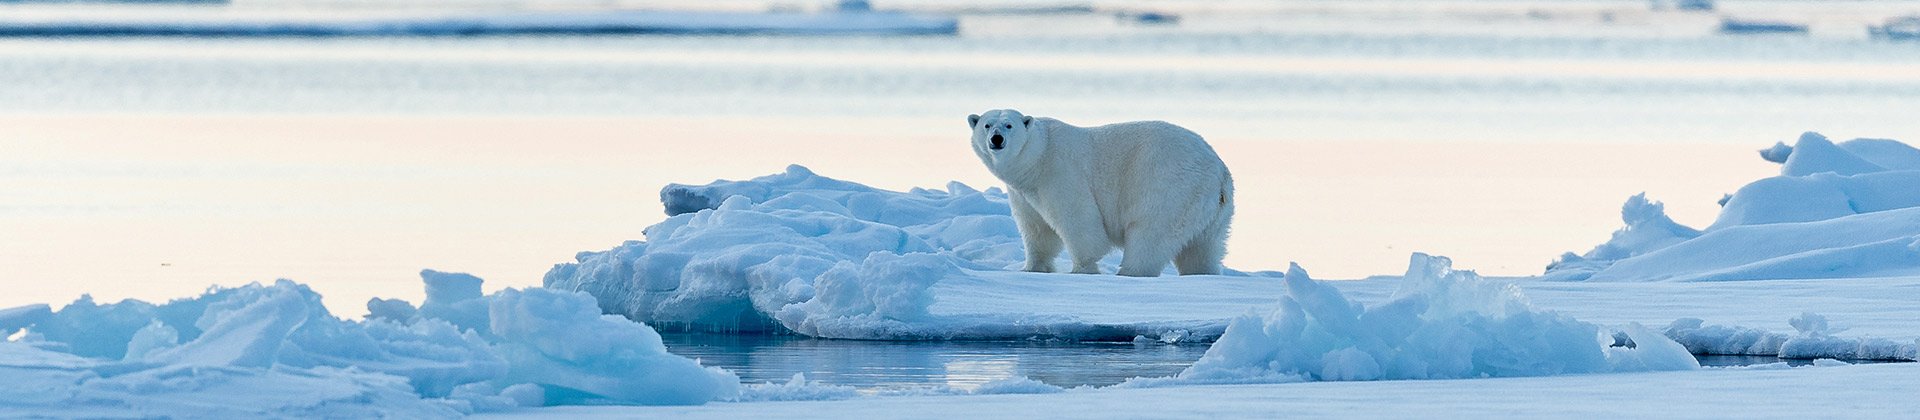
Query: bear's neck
(1028, 170)
(1025, 175)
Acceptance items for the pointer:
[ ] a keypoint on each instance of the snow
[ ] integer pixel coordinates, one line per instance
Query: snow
(274, 351)
(419, 23)
(1836, 211)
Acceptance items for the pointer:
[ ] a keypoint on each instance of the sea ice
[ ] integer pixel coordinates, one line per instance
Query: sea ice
(1814, 340)
(274, 351)
(1441, 323)
(1836, 210)
(799, 252)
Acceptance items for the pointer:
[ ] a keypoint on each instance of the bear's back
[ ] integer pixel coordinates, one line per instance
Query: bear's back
(1154, 140)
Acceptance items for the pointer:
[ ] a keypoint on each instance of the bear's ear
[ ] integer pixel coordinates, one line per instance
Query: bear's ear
(1028, 121)
(973, 120)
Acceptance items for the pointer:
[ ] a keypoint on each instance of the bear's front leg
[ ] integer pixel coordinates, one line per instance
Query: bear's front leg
(1043, 244)
(1087, 242)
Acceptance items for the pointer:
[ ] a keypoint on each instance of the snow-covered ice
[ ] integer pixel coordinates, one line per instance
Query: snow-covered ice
(1835, 211)
(273, 350)
(1440, 323)
(804, 253)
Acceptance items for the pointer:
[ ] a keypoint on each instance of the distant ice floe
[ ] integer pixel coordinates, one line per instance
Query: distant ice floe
(1835, 211)
(230, 23)
(275, 351)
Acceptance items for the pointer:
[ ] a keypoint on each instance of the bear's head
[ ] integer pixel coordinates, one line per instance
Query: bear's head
(1000, 134)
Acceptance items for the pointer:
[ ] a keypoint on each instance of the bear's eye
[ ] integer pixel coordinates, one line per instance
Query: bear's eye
(1008, 126)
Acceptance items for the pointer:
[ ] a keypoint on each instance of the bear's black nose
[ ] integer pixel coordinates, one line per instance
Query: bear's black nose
(998, 142)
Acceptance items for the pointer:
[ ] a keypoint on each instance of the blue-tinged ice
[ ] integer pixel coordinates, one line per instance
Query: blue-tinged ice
(1835, 211)
(1441, 323)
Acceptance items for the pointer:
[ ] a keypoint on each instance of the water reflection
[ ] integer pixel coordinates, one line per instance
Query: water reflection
(881, 365)
(893, 365)
(1719, 360)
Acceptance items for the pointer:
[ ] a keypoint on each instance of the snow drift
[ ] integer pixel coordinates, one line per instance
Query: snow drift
(1836, 210)
(275, 351)
(1441, 323)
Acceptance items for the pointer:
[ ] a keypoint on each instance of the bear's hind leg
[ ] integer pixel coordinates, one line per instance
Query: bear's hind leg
(1201, 256)
(1146, 255)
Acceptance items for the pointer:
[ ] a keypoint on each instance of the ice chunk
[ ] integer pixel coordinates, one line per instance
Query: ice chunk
(1815, 154)
(274, 351)
(455, 298)
(1648, 229)
(560, 341)
(155, 337)
(1442, 323)
(738, 252)
(1814, 340)
(1778, 153)
(1016, 385)
(881, 297)
(1719, 339)
(1651, 352)
(485, 397)
(1829, 363)
(391, 309)
(92, 330)
(15, 318)
(797, 388)
(241, 332)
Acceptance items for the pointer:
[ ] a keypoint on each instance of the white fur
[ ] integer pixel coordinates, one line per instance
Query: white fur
(1156, 190)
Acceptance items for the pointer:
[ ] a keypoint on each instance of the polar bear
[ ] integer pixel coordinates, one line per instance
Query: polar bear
(1154, 189)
